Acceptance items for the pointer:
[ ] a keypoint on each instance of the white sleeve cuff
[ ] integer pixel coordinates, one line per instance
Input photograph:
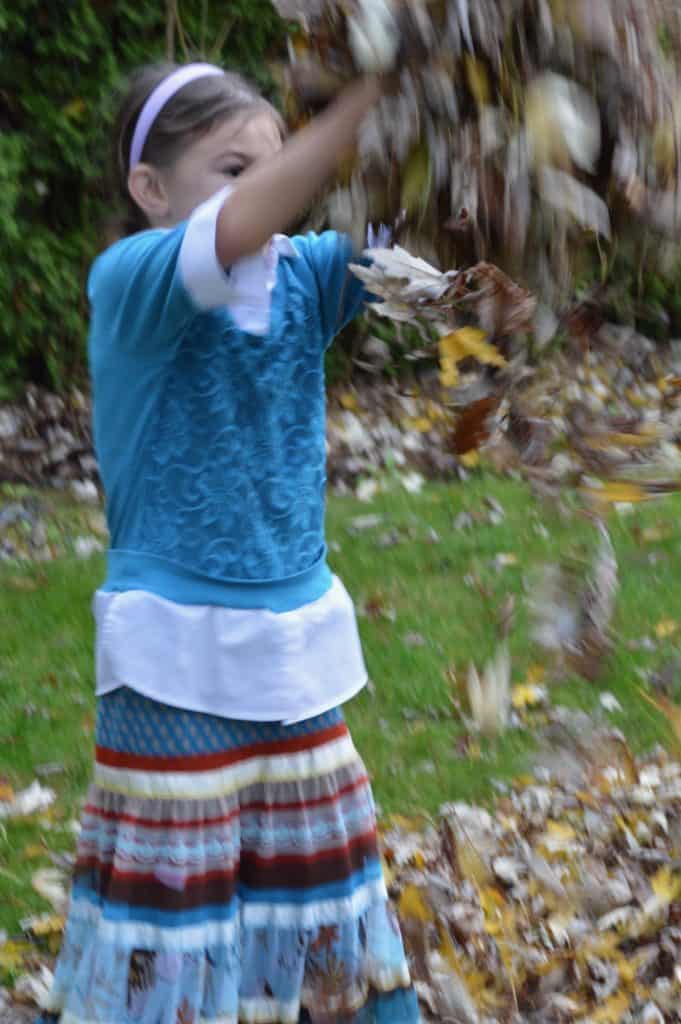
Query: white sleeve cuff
(246, 288)
(206, 281)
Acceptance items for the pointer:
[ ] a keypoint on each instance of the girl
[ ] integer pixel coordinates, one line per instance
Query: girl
(227, 867)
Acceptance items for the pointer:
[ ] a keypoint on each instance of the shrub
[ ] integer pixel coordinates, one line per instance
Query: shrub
(59, 66)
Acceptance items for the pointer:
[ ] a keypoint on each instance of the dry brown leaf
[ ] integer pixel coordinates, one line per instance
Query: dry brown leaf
(472, 425)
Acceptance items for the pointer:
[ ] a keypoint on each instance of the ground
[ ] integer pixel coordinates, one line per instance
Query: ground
(428, 584)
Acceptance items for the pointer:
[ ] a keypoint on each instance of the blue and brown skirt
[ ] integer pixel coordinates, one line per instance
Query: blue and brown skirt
(227, 872)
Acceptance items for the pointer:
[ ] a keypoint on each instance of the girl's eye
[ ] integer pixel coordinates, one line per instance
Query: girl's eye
(233, 171)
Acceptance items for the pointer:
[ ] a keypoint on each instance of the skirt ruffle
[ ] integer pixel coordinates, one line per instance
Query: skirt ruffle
(227, 872)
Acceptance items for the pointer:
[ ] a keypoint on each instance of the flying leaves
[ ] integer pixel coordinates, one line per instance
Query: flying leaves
(512, 129)
(572, 614)
(489, 695)
(464, 343)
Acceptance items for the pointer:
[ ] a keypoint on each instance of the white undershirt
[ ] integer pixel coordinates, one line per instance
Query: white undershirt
(249, 664)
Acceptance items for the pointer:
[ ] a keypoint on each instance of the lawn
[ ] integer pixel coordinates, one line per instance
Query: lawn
(427, 593)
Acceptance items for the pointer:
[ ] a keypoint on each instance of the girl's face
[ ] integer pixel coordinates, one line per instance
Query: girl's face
(212, 161)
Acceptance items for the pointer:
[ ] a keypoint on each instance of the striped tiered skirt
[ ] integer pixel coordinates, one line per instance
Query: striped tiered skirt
(226, 872)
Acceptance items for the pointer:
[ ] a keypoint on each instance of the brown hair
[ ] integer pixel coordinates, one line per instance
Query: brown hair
(190, 113)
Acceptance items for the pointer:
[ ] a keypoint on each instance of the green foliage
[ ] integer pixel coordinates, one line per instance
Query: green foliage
(60, 64)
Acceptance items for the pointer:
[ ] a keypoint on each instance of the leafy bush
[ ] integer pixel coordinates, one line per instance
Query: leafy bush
(59, 67)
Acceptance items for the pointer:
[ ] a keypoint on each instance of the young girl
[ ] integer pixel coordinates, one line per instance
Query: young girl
(227, 867)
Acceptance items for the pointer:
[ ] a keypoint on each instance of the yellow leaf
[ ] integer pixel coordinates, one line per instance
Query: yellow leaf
(627, 971)
(653, 534)
(476, 77)
(416, 179)
(559, 830)
(472, 865)
(556, 839)
(525, 696)
(535, 675)
(666, 384)
(12, 955)
(588, 799)
(434, 411)
(349, 401)
(448, 952)
(449, 375)
(74, 109)
(412, 824)
(618, 440)
(618, 492)
(612, 1011)
(412, 905)
(421, 423)
(470, 342)
(34, 850)
(47, 924)
(666, 628)
(603, 946)
(492, 904)
(666, 885)
(470, 459)
(6, 793)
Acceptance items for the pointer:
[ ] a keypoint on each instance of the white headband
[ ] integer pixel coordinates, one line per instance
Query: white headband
(158, 98)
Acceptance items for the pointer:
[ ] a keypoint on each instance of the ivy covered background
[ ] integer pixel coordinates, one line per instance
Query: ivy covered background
(60, 66)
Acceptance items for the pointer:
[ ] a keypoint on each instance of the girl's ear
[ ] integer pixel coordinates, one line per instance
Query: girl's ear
(146, 187)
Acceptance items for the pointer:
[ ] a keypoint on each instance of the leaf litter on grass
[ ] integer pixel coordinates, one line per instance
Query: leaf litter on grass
(564, 904)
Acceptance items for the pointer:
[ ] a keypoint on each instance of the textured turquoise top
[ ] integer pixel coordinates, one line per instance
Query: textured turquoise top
(210, 440)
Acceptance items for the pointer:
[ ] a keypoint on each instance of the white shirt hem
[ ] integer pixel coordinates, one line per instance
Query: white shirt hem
(249, 664)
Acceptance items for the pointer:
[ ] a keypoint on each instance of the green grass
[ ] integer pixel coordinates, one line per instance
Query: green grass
(404, 725)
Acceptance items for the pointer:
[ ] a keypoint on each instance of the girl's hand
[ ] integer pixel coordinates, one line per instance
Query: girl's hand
(374, 37)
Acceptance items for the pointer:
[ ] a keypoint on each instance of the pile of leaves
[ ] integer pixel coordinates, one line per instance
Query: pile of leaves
(47, 439)
(564, 905)
(513, 127)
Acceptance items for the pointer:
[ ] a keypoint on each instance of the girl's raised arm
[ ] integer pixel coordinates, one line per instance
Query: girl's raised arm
(268, 198)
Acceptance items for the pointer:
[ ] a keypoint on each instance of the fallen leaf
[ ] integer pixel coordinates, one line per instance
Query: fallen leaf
(29, 801)
(528, 696)
(421, 424)
(349, 401)
(666, 885)
(13, 954)
(7, 794)
(412, 904)
(666, 628)
(610, 703)
(34, 988)
(25, 583)
(472, 425)
(469, 342)
(33, 851)
(616, 492)
(51, 884)
(612, 1011)
(42, 925)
